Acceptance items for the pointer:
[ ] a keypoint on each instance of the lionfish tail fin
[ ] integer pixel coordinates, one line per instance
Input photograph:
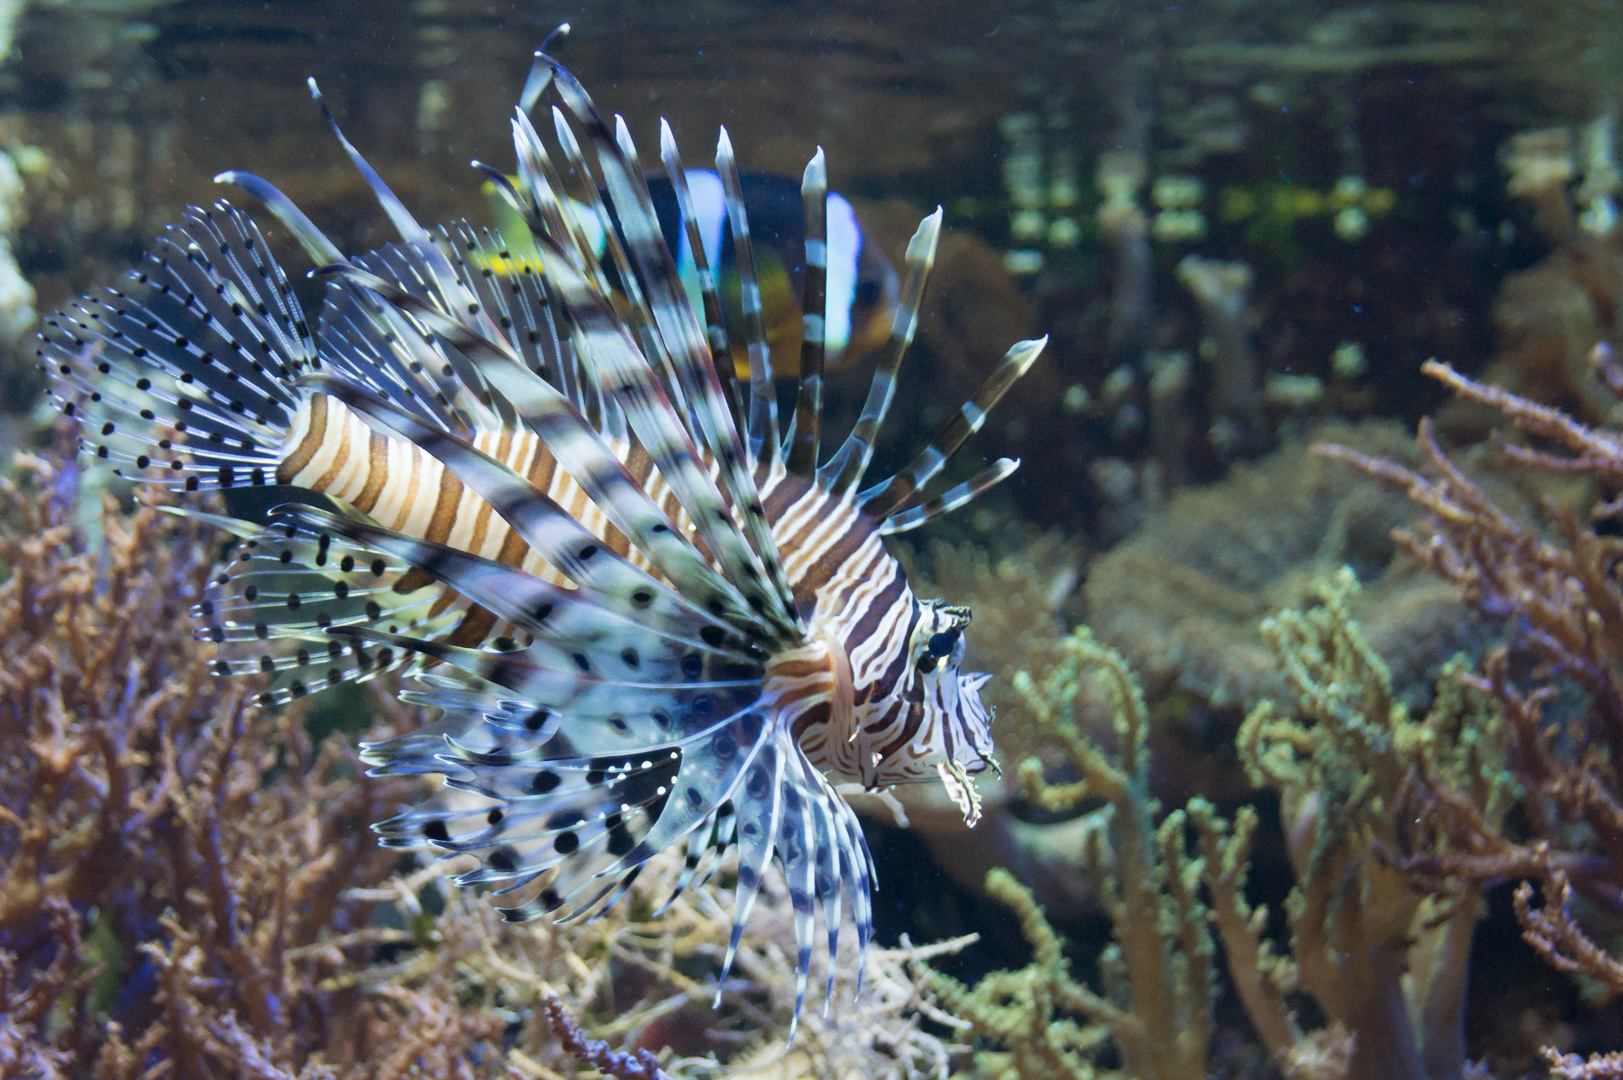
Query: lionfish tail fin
(183, 377)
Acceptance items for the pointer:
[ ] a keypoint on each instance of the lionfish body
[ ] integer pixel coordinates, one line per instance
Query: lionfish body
(648, 618)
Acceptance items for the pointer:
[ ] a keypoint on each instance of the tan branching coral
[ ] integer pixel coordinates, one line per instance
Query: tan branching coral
(188, 887)
(1557, 936)
(1595, 1067)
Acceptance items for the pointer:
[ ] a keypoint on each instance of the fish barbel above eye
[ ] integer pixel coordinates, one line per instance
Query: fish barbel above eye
(647, 616)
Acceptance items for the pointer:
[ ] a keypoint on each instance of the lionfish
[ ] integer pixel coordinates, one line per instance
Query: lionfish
(647, 616)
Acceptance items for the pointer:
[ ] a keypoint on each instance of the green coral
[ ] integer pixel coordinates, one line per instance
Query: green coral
(1380, 946)
(1382, 952)
(1159, 984)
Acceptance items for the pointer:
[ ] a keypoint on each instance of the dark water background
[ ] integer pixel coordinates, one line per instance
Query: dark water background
(139, 105)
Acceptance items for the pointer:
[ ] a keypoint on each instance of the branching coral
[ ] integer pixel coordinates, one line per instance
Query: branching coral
(1564, 593)
(1155, 1007)
(1384, 957)
(1557, 936)
(1595, 1067)
(190, 890)
(1562, 588)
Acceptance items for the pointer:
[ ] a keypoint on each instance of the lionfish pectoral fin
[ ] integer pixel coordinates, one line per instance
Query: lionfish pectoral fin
(576, 626)
(242, 530)
(291, 590)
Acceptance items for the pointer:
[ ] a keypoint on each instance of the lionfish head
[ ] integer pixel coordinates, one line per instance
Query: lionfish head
(954, 740)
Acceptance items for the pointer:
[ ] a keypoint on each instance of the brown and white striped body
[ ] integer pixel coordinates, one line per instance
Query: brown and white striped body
(880, 718)
(859, 705)
(333, 451)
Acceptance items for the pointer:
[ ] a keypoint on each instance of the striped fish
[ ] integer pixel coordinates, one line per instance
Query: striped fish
(648, 615)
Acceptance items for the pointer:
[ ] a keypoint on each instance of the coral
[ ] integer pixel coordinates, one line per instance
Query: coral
(1156, 1005)
(1573, 1067)
(1183, 597)
(640, 1065)
(1540, 167)
(1032, 1012)
(1126, 229)
(1558, 938)
(1553, 314)
(1383, 955)
(190, 888)
(1550, 318)
(1563, 593)
(1557, 581)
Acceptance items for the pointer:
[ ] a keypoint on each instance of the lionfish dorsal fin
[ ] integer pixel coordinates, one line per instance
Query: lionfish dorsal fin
(419, 266)
(844, 470)
(763, 408)
(883, 500)
(951, 499)
(707, 418)
(805, 428)
(369, 342)
(635, 308)
(715, 323)
(661, 433)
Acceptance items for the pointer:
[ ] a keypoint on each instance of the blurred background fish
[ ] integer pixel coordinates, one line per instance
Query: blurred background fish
(862, 283)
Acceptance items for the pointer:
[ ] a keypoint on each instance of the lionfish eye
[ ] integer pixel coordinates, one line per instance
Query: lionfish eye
(941, 644)
(937, 648)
